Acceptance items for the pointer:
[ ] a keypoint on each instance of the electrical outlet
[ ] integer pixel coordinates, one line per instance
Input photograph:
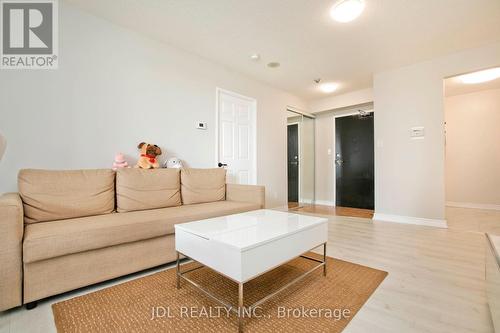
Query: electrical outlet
(201, 125)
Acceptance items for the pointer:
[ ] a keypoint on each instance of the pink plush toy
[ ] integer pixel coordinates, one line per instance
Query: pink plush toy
(119, 162)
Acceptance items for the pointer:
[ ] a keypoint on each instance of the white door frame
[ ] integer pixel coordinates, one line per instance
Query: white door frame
(340, 115)
(218, 92)
(300, 154)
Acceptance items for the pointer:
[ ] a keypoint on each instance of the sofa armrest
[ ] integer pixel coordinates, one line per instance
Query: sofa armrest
(11, 243)
(246, 193)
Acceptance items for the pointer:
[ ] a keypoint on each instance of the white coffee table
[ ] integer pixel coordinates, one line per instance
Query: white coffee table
(244, 246)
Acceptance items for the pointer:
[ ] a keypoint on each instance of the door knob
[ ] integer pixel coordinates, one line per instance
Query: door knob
(222, 165)
(338, 160)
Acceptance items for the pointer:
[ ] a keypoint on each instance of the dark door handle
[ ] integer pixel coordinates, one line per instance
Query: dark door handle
(222, 165)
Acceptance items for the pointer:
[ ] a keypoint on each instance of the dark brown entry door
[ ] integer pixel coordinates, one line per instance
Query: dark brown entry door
(354, 161)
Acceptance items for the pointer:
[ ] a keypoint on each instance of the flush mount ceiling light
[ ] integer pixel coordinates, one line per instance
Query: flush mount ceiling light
(481, 76)
(255, 57)
(347, 10)
(328, 87)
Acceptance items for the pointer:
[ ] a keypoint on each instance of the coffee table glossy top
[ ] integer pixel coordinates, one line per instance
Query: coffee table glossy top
(247, 230)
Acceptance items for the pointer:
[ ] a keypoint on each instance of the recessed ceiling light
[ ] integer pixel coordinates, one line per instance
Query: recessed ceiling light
(273, 65)
(347, 10)
(481, 76)
(328, 87)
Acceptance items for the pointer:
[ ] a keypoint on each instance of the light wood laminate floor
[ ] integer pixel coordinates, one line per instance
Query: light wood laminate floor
(435, 282)
(331, 210)
(474, 220)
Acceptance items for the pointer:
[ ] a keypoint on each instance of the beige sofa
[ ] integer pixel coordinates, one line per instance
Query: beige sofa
(70, 229)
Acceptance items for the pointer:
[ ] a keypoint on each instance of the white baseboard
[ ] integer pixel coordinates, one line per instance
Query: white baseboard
(410, 220)
(324, 202)
(472, 205)
(305, 201)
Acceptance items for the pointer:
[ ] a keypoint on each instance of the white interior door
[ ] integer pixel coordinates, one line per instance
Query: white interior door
(236, 136)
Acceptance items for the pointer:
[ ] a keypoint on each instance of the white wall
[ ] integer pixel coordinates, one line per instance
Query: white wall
(409, 174)
(115, 88)
(307, 178)
(325, 167)
(340, 101)
(472, 148)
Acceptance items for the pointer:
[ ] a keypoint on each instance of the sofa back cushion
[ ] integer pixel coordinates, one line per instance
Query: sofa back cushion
(203, 185)
(56, 195)
(141, 189)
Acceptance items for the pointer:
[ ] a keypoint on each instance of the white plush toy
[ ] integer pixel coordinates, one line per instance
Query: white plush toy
(174, 162)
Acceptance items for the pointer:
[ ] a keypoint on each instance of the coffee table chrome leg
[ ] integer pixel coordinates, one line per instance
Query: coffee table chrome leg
(324, 259)
(178, 271)
(241, 310)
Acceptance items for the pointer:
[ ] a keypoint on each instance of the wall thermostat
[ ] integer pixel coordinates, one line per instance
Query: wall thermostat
(201, 125)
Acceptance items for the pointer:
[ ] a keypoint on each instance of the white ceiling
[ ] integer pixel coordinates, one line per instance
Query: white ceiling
(453, 86)
(301, 36)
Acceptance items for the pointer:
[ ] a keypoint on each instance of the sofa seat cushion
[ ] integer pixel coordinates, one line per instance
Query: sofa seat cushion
(141, 189)
(53, 239)
(50, 195)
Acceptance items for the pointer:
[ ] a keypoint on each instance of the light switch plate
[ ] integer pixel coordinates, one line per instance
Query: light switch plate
(201, 125)
(417, 132)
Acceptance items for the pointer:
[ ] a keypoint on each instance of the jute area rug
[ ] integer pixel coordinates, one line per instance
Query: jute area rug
(153, 304)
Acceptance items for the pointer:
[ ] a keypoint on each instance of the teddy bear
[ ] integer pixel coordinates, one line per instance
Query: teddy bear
(148, 158)
(119, 162)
